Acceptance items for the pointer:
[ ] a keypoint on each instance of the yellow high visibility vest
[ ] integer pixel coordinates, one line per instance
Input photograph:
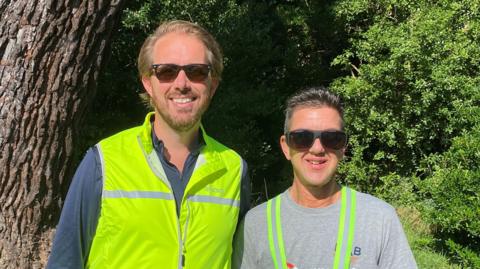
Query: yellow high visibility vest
(138, 225)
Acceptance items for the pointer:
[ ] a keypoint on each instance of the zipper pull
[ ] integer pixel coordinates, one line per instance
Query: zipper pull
(183, 260)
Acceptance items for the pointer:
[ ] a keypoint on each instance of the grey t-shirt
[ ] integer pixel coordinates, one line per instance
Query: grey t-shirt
(310, 236)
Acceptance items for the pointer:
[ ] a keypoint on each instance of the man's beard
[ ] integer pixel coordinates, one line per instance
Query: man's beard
(183, 124)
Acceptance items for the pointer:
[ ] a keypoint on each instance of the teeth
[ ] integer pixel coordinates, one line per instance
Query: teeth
(182, 100)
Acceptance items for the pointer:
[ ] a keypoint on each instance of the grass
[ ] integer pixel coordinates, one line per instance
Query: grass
(421, 241)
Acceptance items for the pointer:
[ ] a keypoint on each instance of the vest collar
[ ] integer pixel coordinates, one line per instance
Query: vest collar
(209, 162)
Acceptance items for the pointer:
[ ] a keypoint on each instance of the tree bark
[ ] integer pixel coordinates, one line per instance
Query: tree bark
(51, 54)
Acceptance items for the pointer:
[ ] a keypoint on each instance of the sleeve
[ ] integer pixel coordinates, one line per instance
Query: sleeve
(245, 191)
(79, 217)
(396, 252)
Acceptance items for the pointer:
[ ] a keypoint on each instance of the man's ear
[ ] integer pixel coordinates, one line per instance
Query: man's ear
(285, 147)
(342, 151)
(147, 84)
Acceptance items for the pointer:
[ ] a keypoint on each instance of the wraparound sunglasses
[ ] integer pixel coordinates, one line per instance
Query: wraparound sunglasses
(303, 139)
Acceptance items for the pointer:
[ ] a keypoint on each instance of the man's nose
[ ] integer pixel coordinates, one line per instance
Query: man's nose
(316, 147)
(181, 81)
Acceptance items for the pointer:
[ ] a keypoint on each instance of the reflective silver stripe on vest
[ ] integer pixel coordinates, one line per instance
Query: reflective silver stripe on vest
(200, 161)
(137, 194)
(214, 200)
(102, 161)
(154, 163)
(275, 232)
(348, 209)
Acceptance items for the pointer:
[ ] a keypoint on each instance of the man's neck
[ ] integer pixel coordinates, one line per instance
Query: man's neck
(177, 145)
(315, 196)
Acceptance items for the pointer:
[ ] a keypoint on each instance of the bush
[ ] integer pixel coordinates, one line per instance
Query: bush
(452, 203)
(414, 88)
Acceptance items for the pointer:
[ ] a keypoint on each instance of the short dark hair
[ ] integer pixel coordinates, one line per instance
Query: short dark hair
(312, 97)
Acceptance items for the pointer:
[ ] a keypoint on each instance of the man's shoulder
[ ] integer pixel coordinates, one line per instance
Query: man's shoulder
(215, 145)
(127, 137)
(256, 215)
(124, 133)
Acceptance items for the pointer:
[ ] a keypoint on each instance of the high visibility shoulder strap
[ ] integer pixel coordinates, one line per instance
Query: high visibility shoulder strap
(275, 236)
(345, 236)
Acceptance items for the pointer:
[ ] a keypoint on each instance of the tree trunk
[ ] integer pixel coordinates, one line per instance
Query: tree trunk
(51, 53)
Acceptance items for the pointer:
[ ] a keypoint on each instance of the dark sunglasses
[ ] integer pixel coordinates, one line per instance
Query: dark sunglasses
(304, 139)
(169, 72)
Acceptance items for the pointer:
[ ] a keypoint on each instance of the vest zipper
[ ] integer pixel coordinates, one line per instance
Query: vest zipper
(184, 239)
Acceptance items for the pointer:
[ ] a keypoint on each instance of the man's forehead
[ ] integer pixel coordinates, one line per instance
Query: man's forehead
(177, 47)
(178, 38)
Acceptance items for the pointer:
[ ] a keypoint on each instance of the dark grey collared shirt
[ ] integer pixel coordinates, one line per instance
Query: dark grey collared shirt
(81, 210)
(178, 180)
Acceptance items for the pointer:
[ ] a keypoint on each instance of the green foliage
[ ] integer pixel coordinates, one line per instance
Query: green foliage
(422, 241)
(399, 190)
(464, 255)
(412, 80)
(452, 203)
